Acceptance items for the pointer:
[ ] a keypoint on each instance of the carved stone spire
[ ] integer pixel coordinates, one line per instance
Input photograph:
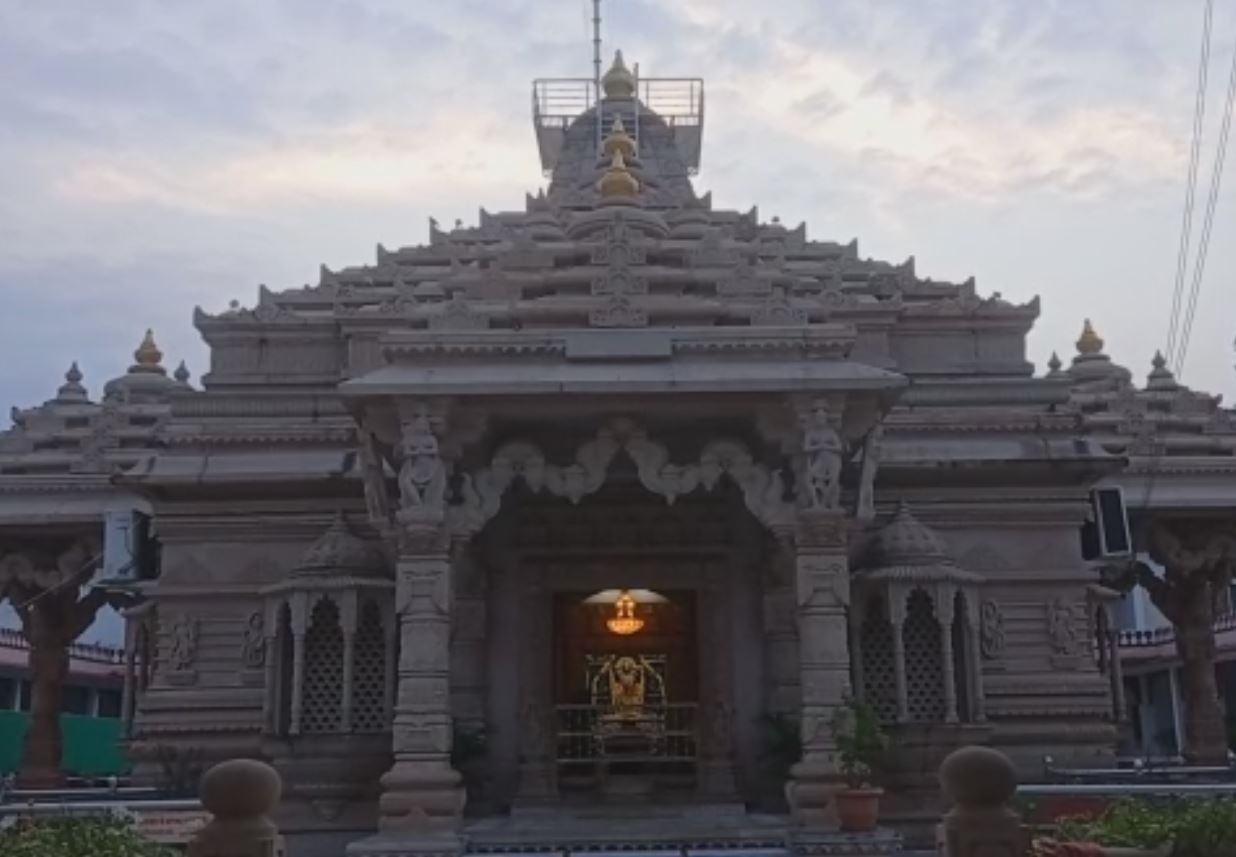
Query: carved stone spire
(1089, 342)
(72, 390)
(1161, 378)
(618, 183)
(1054, 366)
(618, 82)
(148, 356)
(182, 374)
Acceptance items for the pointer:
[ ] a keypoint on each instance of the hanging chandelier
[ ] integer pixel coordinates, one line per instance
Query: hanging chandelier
(624, 621)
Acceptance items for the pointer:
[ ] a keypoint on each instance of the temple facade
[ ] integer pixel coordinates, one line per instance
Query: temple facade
(609, 503)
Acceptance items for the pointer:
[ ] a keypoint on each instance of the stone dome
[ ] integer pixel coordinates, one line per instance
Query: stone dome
(146, 380)
(339, 552)
(1092, 365)
(905, 540)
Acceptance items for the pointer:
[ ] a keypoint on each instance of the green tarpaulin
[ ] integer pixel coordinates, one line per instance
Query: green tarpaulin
(91, 744)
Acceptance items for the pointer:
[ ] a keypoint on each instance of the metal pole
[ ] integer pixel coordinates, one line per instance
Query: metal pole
(596, 66)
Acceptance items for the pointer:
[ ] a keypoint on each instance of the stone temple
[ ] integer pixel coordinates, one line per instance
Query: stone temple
(571, 526)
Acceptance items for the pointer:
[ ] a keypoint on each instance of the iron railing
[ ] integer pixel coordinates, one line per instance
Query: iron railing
(591, 734)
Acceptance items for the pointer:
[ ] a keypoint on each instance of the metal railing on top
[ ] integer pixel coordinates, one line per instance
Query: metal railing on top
(1167, 634)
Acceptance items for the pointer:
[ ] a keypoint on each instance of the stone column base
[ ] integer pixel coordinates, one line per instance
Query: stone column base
(415, 800)
(809, 793)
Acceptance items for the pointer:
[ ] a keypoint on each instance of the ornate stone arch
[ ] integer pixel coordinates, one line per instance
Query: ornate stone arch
(762, 488)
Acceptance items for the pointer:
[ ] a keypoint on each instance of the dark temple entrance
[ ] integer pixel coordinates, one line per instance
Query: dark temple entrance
(626, 691)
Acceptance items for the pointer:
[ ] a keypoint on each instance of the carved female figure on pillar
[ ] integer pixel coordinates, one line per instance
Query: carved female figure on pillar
(822, 448)
(184, 642)
(422, 476)
(865, 510)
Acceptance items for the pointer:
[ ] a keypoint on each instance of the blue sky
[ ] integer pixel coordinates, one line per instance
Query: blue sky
(157, 154)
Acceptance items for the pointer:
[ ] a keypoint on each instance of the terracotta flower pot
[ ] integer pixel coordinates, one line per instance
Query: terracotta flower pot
(858, 810)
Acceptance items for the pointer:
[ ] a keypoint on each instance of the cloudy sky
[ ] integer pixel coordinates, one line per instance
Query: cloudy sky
(157, 154)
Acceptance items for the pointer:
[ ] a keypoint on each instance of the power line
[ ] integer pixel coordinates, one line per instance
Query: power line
(1212, 203)
(1186, 229)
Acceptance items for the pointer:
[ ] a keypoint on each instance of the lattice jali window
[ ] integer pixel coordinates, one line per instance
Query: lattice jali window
(879, 672)
(924, 660)
(369, 672)
(322, 689)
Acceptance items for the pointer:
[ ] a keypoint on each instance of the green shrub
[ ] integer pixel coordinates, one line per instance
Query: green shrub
(1197, 828)
(97, 836)
(861, 743)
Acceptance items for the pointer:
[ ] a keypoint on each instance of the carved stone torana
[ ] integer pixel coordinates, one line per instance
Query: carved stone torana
(482, 491)
(992, 634)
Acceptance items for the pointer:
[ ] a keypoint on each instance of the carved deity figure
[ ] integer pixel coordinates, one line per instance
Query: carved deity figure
(422, 476)
(377, 502)
(253, 650)
(872, 447)
(1062, 625)
(822, 447)
(184, 642)
(992, 633)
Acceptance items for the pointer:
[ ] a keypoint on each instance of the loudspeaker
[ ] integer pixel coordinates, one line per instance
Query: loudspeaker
(1106, 534)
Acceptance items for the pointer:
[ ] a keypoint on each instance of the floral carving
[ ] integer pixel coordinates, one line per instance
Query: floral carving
(991, 635)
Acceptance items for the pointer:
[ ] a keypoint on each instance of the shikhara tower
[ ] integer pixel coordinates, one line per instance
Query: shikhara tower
(387, 516)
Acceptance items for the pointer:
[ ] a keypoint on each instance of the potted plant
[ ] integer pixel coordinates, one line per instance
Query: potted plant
(861, 745)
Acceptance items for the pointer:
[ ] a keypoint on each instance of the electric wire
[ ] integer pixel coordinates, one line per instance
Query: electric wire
(1186, 230)
(1212, 203)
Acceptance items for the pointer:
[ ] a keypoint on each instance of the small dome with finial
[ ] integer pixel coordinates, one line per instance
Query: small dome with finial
(72, 391)
(182, 374)
(618, 183)
(148, 356)
(618, 82)
(1089, 342)
(1161, 378)
(1091, 365)
(146, 379)
(618, 140)
(1054, 366)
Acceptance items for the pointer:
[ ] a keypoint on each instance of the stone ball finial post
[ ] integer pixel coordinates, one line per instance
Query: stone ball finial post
(980, 782)
(240, 795)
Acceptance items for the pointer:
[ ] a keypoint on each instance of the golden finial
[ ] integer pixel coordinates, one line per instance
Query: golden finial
(618, 140)
(148, 355)
(1089, 342)
(618, 181)
(618, 82)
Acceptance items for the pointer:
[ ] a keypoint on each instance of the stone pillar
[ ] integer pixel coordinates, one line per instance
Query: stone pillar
(300, 619)
(715, 716)
(978, 703)
(980, 782)
(823, 594)
(781, 636)
(944, 616)
(1117, 676)
(537, 721)
(896, 620)
(468, 621)
(421, 792)
(240, 795)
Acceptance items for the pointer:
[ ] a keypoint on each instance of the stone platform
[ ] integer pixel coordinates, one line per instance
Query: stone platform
(653, 831)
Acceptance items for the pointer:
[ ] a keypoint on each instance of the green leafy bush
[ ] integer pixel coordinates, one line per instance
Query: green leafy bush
(97, 836)
(861, 743)
(1196, 828)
